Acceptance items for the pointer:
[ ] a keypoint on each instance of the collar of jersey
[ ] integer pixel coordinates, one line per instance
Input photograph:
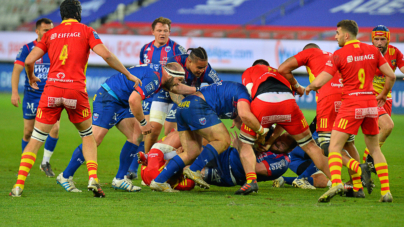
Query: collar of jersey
(70, 20)
(352, 41)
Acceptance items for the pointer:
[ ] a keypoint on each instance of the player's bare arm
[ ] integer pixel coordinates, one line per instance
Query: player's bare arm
(317, 83)
(135, 104)
(285, 69)
(248, 118)
(35, 54)
(114, 63)
(15, 79)
(390, 79)
(177, 99)
(183, 89)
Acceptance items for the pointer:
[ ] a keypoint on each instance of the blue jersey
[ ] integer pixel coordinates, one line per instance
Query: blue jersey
(224, 96)
(209, 76)
(122, 88)
(151, 54)
(41, 66)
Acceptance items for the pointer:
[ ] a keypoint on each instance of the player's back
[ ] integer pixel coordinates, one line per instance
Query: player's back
(68, 46)
(357, 63)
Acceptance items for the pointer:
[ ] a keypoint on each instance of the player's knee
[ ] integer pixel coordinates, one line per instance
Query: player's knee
(306, 140)
(27, 132)
(39, 135)
(87, 132)
(54, 131)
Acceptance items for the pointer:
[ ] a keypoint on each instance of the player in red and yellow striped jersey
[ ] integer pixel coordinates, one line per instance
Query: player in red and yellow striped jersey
(393, 56)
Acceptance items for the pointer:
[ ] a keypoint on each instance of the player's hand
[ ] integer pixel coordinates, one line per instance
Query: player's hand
(179, 150)
(146, 129)
(300, 90)
(381, 100)
(233, 124)
(235, 142)
(261, 148)
(33, 82)
(15, 99)
(137, 81)
(308, 89)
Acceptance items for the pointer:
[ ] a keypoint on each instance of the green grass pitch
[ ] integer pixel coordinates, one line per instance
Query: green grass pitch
(45, 203)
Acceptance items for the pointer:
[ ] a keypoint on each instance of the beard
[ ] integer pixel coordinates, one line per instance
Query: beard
(383, 49)
(169, 84)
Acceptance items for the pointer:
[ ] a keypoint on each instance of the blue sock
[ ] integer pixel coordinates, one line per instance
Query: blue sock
(135, 166)
(310, 179)
(289, 180)
(50, 143)
(174, 165)
(75, 162)
(125, 159)
(23, 145)
(208, 154)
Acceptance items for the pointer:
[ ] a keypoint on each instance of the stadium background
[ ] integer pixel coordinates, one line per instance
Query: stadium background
(234, 32)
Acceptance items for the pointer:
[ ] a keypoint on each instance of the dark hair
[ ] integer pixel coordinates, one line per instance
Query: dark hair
(260, 62)
(43, 20)
(162, 20)
(311, 45)
(70, 9)
(198, 54)
(349, 26)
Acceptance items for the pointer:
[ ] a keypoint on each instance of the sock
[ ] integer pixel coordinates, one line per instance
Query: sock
(310, 180)
(27, 161)
(357, 182)
(92, 167)
(134, 166)
(365, 155)
(50, 145)
(383, 174)
(23, 144)
(208, 154)
(250, 177)
(354, 166)
(174, 165)
(310, 170)
(128, 152)
(335, 164)
(75, 162)
(289, 180)
(329, 184)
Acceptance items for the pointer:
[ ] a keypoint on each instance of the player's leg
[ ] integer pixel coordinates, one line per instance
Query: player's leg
(30, 104)
(28, 128)
(49, 147)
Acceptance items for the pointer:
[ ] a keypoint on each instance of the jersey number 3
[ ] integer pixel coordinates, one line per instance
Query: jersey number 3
(361, 77)
(63, 55)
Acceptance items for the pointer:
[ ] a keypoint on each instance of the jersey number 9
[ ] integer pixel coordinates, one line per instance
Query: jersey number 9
(361, 77)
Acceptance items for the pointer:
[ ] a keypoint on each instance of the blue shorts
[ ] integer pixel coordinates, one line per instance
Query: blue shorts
(108, 111)
(171, 115)
(193, 113)
(219, 173)
(146, 104)
(30, 103)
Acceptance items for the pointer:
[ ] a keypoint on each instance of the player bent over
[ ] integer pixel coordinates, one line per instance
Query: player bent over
(32, 96)
(68, 46)
(357, 63)
(116, 102)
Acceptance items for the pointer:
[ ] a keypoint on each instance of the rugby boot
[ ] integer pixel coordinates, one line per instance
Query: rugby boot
(47, 169)
(336, 190)
(95, 188)
(125, 184)
(16, 192)
(359, 193)
(197, 177)
(387, 198)
(369, 160)
(302, 183)
(161, 187)
(131, 175)
(248, 188)
(279, 182)
(142, 158)
(67, 183)
(348, 190)
(366, 176)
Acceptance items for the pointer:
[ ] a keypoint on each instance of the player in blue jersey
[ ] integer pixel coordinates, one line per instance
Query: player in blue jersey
(118, 103)
(32, 96)
(156, 52)
(197, 71)
(198, 116)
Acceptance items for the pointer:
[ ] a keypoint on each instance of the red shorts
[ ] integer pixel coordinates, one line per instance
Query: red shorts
(386, 109)
(285, 113)
(356, 113)
(55, 99)
(327, 110)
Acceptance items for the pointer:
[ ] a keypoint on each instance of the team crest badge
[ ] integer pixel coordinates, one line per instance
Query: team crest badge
(95, 117)
(168, 49)
(202, 121)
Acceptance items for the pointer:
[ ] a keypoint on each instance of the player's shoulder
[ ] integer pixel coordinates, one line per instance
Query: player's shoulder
(392, 50)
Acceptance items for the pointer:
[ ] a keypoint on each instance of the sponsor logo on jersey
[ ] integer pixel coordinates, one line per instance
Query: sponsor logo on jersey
(67, 35)
(370, 112)
(202, 121)
(278, 165)
(360, 58)
(329, 63)
(96, 35)
(41, 71)
(150, 87)
(60, 78)
(349, 59)
(167, 49)
(337, 85)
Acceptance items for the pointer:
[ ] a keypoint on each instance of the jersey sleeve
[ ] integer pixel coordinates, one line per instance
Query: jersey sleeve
(211, 77)
(246, 78)
(22, 55)
(150, 84)
(176, 58)
(399, 59)
(141, 61)
(242, 94)
(43, 43)
(93, 38)
(179, 49)
(302, 57)
(331, 66)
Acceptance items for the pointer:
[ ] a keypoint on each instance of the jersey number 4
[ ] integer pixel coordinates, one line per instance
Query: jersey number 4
(361, 77)
(63, 54)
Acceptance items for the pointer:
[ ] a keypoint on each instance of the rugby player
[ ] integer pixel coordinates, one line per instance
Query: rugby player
(393, 56)
(328, 102)
(357, 63)
(157, 52)
(118, 103)
(68, 46)
(32, 96)
(197, 71)
(198, 116)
